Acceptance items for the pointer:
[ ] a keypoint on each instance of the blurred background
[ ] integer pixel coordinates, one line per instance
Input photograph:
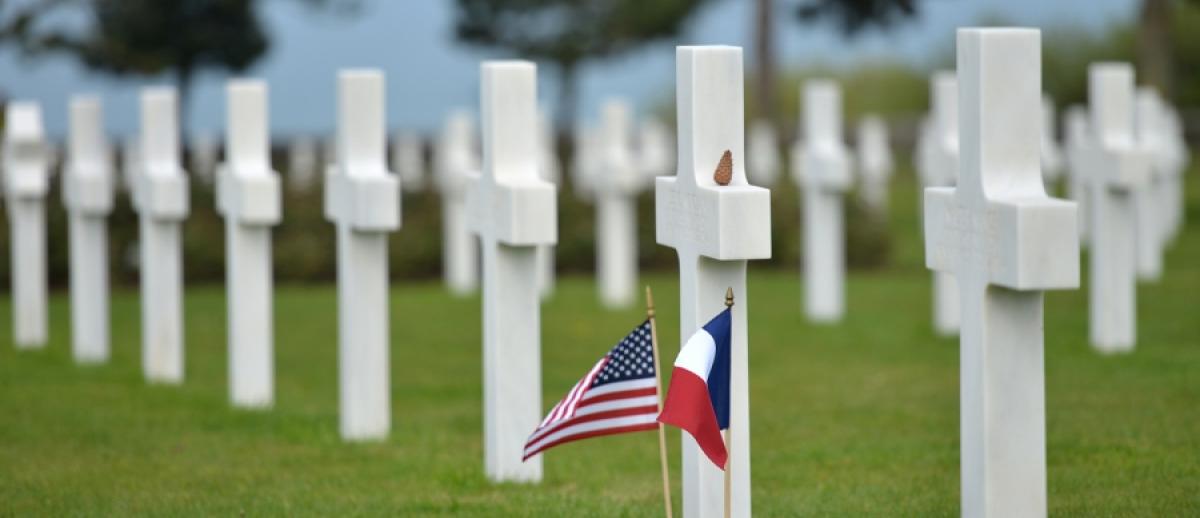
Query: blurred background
(882, 52)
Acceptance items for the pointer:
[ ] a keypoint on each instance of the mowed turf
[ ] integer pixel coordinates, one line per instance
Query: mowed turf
(859, 418)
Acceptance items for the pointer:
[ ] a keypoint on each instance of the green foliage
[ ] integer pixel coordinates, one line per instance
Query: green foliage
(855, 419)
(854, 16)
(567, 31)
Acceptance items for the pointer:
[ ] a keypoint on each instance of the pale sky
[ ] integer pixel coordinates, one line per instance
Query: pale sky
(428, 74)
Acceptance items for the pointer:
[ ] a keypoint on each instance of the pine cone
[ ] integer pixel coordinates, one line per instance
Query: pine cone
(724, 172)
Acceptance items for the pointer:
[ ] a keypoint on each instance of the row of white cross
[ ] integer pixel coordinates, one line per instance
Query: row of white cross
(994, 236)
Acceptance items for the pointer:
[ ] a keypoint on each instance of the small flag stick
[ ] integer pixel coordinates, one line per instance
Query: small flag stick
(662, 434)
(728, 435)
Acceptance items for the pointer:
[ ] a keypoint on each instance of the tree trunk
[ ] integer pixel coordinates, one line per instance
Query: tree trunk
(568, 92)
(764, 63)
(1154, 46)
(183, 83)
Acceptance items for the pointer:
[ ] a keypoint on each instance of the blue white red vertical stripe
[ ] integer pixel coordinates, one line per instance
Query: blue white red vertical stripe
(619, 394)
(698, 397)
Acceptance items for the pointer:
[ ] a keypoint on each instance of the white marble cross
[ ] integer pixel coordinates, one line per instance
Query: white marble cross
(455, 160)
(586, 144)
(714, 229)
(942, 171)
(161, 200)
(616, 184)
(1052, 161)
(204, 153)
(874, 163)
(550, 170)
(513, 211)
(88, 197)
(1152, 225)
(362, 198)
(655, 149)
(248, 198)
(302, 164)
(26, 181)
(1077, 137)
(763, 159)
(1116, 168)
(822, 170)
(408, 160)
(1176, 156)
(1006, 242)
(131, 162)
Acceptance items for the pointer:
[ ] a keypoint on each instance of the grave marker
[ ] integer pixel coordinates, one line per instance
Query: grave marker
(616, 185)
(943, 168)
(1148, 200)
(1052, 161)
(654, 148)
(455, 160)
(550, 171)
(161, 200)
(204, 153)
(513, 212)
(822, 170)
(88, 197)
(248, 198)
(1116, 168)
(1078, 136)
(1006, 242)
(26, 180)
(362, 198)
(714, 230)
(302, 164)
(764, 160)
(874, 163)
(408, 160)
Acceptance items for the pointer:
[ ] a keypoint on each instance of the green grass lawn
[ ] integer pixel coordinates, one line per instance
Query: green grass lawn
(854, 419)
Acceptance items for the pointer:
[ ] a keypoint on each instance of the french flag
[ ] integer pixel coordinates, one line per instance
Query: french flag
(698, 398)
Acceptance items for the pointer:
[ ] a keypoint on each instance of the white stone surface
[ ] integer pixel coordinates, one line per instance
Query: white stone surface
(942, 171)
(161, 200)
(88, 197)
(584, 160)
(456, 158)
(1052, 160)
(1077, 140)
(875, 163)
(303, 164)
(362, 198)
(714, 230)
(513, 211)
(1006, 242)
(204, 154)
(131, 162)
(408, 160)
(550, 169)
(1116, 168)
(616, 185)
(1175, 164)
(821, 166)
(26, 180)
(248, 198)
(764, 159)
(1152, 225)
(656, 150)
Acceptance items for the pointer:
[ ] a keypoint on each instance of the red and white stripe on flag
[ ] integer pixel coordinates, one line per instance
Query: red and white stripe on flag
(619, 394)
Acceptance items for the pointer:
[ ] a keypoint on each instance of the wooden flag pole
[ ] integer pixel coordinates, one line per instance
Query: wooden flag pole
(662, 434)
(728, 436)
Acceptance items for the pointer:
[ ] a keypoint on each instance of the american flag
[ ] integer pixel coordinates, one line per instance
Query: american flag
(619, 394)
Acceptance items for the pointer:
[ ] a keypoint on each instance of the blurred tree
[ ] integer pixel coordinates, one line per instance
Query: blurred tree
(569, 33)
(1154, 45)
(764, 62)
(145, 37)
(853, 16)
